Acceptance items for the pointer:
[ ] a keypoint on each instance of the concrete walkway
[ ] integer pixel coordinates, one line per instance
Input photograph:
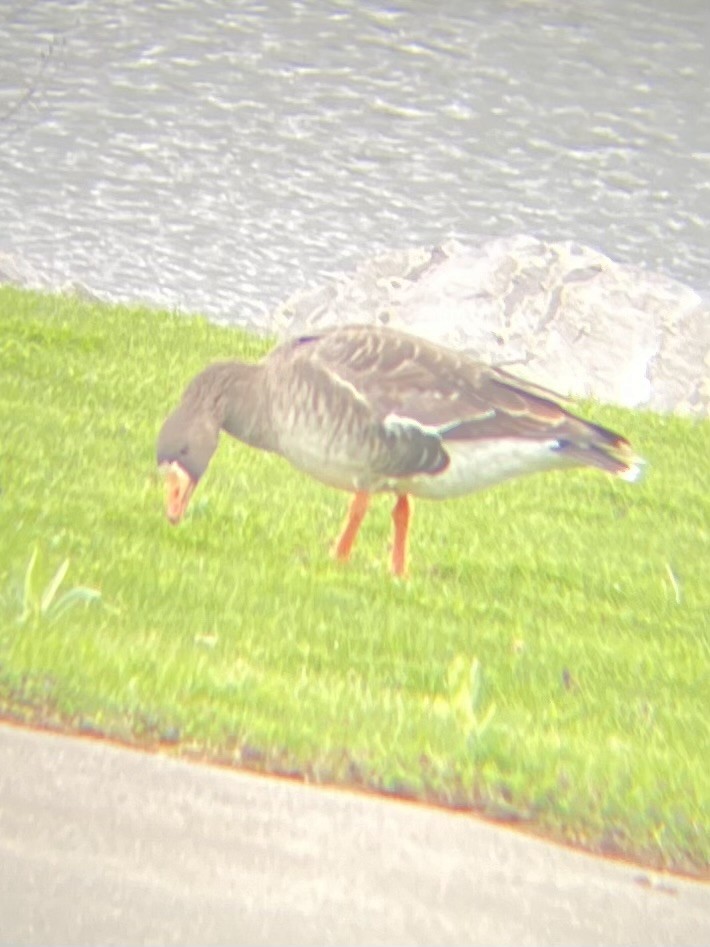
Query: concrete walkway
(103, 845)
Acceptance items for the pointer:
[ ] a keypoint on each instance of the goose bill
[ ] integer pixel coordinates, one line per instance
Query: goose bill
(179, 487)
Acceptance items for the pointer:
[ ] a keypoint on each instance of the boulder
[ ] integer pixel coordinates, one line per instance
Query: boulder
(561, 314)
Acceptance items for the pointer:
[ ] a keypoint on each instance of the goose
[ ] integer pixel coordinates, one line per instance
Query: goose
(371, 409)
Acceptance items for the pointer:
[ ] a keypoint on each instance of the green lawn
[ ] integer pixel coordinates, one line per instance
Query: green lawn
(546, 662)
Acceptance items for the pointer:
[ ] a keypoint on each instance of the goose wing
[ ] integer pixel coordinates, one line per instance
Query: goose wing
(420, 397)
(445, 392)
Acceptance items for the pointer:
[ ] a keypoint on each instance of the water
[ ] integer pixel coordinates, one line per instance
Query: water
(215, 156)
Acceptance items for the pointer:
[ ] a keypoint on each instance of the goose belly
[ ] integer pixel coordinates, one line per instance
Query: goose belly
(477, 465)
(333, 466)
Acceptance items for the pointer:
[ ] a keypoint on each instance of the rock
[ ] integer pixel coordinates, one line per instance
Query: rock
(561, 314)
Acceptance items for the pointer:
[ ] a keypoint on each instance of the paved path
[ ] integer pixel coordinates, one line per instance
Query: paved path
(103, 845)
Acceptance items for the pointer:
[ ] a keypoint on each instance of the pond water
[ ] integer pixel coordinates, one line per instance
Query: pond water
(214, 156)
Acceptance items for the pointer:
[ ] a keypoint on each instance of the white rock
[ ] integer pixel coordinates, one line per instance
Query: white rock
(561, 314)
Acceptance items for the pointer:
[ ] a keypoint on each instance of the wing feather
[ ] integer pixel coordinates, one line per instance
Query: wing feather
(413, 397)
(440, 390)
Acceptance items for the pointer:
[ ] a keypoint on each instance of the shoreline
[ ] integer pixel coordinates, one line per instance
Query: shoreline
(559, 314)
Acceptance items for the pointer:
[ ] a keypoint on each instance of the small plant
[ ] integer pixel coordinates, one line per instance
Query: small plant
(47, 607)
(463, 699)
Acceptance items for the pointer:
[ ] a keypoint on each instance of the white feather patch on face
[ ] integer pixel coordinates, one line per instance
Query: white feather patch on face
(178, 489)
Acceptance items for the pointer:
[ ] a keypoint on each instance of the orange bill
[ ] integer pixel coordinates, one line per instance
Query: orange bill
(179, 487)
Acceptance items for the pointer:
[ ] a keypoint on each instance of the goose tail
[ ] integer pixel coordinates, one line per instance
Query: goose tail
(605, 450)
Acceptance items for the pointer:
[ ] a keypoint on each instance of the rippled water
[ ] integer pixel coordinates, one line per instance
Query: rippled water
(214, 156)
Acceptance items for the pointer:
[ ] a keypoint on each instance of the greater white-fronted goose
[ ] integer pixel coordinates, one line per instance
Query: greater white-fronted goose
(369, 410)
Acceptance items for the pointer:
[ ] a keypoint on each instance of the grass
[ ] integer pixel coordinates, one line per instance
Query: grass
(546, 662)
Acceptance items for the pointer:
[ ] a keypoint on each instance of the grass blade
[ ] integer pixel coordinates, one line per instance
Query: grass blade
(81, 594)
(27, 588)
(52, 587)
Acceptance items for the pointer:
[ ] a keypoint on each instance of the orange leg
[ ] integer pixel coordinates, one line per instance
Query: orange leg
(358, 509)
(401, 515)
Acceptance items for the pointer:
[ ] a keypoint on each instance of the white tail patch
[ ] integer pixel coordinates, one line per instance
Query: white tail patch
(635, 472)
(476, 465)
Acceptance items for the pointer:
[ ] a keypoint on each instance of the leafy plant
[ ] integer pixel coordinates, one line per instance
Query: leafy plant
(462, 703)
(46, 606)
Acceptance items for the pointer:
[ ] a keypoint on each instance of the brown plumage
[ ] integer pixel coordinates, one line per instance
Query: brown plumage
(368, 410)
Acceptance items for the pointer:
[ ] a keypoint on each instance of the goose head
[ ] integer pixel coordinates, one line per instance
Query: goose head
(186, 443)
